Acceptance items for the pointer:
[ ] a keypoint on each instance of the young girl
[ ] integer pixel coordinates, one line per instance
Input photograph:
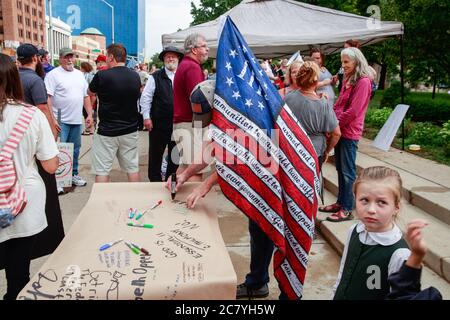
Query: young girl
(375, 248)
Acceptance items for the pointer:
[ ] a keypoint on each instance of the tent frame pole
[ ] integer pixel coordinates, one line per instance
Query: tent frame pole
(402, 89)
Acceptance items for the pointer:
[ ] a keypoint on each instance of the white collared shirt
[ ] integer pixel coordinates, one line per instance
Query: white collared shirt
(149, 91)
(376, 238)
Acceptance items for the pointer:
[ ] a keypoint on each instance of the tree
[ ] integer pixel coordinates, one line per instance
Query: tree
(426, 38)
(210, 9)
(155, 60)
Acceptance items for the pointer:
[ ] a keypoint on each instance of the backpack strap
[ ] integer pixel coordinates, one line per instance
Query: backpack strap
(17, 132)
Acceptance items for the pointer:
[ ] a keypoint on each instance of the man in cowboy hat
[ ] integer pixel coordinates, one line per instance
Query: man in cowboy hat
(157, 111)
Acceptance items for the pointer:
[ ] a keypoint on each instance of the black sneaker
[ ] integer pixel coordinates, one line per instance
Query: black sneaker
(245, 292)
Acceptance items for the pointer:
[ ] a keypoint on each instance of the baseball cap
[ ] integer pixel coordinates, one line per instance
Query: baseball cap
(42, 52)
(100, 57)
(65, 51)
(202, 101)
(26, 50)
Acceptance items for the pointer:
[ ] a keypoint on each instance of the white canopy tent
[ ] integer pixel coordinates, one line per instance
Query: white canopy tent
(278, 28)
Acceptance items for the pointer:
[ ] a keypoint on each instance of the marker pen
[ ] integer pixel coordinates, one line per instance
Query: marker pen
(109, 245)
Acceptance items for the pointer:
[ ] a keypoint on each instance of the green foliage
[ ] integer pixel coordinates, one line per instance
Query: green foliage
(377, 117)
(392, 95)
(423, 108)
(155, 60)
(210, 9)
(425, 133)
(426, 36)
(445, 132)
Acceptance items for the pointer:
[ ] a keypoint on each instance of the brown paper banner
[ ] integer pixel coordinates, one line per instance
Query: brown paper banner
(187, 256)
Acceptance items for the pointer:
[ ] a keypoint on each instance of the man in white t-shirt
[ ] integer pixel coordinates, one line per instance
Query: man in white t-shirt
(67, 93)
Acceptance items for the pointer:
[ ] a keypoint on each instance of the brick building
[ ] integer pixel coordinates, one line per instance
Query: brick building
(22, 21)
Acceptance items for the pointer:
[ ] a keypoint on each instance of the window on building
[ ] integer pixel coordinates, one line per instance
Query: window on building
(21, 33)
(40, 14)
(35, 37)
(19, 18)
(34, 11)
(28, 35)
(19, 5)
(27, 21)
(35, 25)
(42, 39)
(27, 8)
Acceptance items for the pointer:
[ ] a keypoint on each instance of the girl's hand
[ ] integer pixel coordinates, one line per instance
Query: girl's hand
(416, 243)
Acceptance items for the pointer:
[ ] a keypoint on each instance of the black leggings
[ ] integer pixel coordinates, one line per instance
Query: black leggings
(17, 254)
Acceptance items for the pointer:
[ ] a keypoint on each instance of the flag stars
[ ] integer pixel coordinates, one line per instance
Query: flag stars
(258, 92)
(244, 49)
(261, 105)
(228, 66)
(236, 95)
(229, 81)
(248, 102)
(260, 72)
(265, 86)
(233, 53)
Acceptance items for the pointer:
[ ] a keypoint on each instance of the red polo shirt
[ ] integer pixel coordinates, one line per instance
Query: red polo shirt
(188, 75)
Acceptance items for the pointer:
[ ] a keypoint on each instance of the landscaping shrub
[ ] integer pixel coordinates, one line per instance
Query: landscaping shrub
(377, 117)
(425, 133)
(445, 136)
(423, 108)
(392, 95)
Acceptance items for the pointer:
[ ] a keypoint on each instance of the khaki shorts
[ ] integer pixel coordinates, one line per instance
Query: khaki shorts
(189, 143)
(105, 149)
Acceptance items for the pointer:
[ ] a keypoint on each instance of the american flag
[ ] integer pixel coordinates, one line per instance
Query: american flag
(266, 163)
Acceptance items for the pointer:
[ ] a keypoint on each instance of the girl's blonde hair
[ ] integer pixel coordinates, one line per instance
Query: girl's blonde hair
(379, 173)
(361, 68)
(308, 75)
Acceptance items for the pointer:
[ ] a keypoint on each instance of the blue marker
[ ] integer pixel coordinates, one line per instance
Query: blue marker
(133, 213)
(109, 245)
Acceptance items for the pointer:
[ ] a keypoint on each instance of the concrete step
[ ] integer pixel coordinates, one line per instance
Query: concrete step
(426, 183)
(336, 235)
(436, 234)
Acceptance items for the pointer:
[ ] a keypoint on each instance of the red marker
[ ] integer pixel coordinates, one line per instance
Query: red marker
(141, 249)
(159, 202)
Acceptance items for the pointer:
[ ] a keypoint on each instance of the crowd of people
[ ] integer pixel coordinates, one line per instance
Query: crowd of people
(166, 102)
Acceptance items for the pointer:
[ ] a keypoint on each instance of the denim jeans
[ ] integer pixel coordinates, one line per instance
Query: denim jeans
(345, 156)
(261, 250)
(72, 133)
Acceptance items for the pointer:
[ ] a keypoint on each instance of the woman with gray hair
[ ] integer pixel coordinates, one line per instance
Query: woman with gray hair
(350, 111)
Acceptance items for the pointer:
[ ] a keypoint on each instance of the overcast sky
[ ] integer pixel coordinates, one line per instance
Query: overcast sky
(165, 16)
